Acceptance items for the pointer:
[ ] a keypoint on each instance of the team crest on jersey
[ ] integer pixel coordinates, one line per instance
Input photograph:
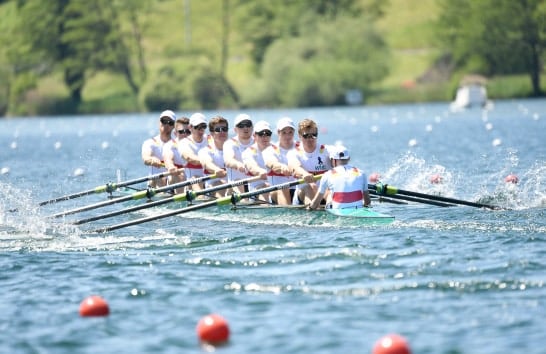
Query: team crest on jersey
(320, 165)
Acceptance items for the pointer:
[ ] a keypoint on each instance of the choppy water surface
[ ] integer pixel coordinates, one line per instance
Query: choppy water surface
(450, 280)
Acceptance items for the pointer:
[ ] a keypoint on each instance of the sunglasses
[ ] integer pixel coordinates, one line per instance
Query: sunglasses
(264, 133)
(167, 121)
(184, 131)
(244, 125)
(220, 129)
(200, 127)
(309, 135)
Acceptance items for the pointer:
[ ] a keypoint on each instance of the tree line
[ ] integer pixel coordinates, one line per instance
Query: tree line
(303, 53)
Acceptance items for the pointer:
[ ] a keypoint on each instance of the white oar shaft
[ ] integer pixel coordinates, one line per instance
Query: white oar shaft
(233, 199)
(138, 195)
(188, 196)
(109, 187)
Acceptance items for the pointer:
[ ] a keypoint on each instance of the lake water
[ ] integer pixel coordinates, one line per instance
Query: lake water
(450, 280)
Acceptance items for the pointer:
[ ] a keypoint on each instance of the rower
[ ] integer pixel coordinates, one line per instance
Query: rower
(174, 162)
(308, 159)
(152, 148)
(212, 156)
(348, 185)
(254, 161)
(275, 159)
(234, 147)
(189, 148)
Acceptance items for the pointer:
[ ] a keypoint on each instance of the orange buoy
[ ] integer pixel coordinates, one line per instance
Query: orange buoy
(391, 344)
(436, 179)
(213, 329)
(94, 306)
(511, 179)
(374, 177)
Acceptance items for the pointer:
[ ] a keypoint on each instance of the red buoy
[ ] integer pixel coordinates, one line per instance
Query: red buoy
(375, 177)
(511, 179)
(391, 344)
(436, 179)
(94, 306)
(213, 329)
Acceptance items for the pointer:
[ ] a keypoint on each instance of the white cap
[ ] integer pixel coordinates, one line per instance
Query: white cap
(285, 122)
(197, 118)
(261, 126)
(339, 152)
(242, 117)
(169, 114)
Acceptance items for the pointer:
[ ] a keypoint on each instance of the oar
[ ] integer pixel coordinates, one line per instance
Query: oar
(382, 199)
(410, 199)
(109, 187)
(233, 199)
(385, 189)
(189, 196)
(148, 193)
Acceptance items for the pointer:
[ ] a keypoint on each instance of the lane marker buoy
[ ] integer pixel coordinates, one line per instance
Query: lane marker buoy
(375, 177)
(213, 329)
(511, 179)
(94, 306)
(391, 344)
(436, 179)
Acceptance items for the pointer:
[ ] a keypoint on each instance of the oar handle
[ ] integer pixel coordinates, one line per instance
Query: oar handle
(153, 191)
(237, 197)
(191, 195)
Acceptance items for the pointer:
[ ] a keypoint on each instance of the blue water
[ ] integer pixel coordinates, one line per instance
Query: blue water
(450, 280)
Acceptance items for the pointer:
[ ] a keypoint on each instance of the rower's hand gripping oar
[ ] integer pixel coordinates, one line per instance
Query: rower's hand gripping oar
(148, 193)
(233, 199)
(109, 187)
(385, 189)
(188, 196)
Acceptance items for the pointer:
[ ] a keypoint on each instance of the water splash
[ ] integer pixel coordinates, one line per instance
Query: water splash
(529, 192)
(413, 173)
(23, 224)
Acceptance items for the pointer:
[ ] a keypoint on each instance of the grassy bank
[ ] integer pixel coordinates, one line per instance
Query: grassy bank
(170, 33)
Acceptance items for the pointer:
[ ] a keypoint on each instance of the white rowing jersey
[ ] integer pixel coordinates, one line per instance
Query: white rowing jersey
(178, 160)
(192, 169)
(347, 185)
(216, 156)
(234, 147)
(274, 153)
(315, 162)
(253, 155)
(154, 147)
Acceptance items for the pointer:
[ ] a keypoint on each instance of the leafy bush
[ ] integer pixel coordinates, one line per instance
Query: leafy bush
(318, 68)
(165, 91)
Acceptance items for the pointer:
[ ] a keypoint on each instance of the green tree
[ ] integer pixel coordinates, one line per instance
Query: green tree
(496, 36)
(261, 22)
(319, 66)
(77, 37)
